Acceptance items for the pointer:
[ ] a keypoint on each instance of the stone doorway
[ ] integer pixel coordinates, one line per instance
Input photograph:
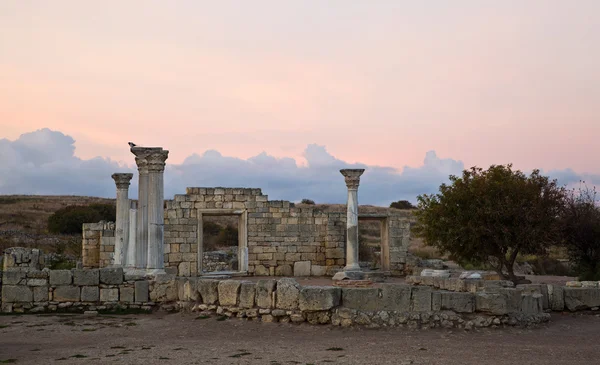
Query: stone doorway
(373, 250)
(222, 241)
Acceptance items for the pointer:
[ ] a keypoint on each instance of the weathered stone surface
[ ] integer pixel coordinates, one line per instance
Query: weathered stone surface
(531, 303)
(318, 270)
(318, 317)
(420, 298)
(349, 275)
(581, 298)
(556, 297)
(37, 282)
(109, 295)
(163, 289)
(209, 290)
(261, 270)
(492, 303)
(458, 302)
(16, 294)
(541, 289)
(366, 299)
(14, 277)
(66, 293)
(302, 268)
(284, 270)
(288, 291)
(395, 297)
(141, 291)
(40, 294)
(319, 298)
(264, 293)
(228, 292)
(126, 295)
(189, 289)
(247, 294)
(111, 275)
(86, 277)
(90, 294)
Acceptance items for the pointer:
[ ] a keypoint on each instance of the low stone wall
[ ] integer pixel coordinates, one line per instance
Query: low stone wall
(32, 290)
(285, 300)
(98, 244)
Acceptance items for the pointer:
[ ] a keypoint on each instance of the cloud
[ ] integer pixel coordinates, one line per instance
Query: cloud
(44, 162)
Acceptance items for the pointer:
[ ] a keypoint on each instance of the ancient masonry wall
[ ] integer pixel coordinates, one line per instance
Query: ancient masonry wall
(98, 244)
(276, 238)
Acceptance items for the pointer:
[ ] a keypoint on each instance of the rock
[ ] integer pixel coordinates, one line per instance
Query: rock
(287, 294)
(90, 294)
(86, 277)
(264, 293)
(66, 293)
(141, 289)
(319, 298)
(457, 302)
(109, 295)
(318, 317)
(302, 268)
(228, 292)
(278, 313)
(284, 270)
(574, 284)
(581, 298)
(297, 318)
(111, 275)
(267, 318)
(209, 290)
(247, 294)
(349, 275)
(90, 313)
(16, 294)
(261, 270)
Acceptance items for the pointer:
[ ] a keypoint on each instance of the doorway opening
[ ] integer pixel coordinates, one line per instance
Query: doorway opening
(373, 245)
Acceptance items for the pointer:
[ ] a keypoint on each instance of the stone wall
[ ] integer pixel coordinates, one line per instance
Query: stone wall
(274, 235)
(31, 290)
(98, 244)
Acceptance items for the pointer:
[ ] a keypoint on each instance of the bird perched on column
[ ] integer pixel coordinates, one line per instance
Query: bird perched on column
(131, 144)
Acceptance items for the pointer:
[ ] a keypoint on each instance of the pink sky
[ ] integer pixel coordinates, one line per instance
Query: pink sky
(376, 82)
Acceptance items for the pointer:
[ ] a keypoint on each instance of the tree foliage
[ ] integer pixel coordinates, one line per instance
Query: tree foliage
(402, 204)
(581, 232)
(490, 216)
(69, 220)
(307, 201)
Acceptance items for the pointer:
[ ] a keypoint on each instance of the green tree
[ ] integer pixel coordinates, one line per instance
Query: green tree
(307, 201)
(69, 220)
(402, 204)
(581, 232)
(490, 216)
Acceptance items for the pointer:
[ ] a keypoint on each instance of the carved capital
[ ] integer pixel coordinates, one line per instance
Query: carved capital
(156, 161)
(352, 177)
(149, 158)
(122, 179)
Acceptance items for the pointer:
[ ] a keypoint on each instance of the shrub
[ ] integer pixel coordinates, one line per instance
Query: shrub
(307, 201)
(402, 204)
(69, 220)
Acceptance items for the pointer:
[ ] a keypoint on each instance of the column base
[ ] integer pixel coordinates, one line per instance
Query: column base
(349, 275)
(155, 272)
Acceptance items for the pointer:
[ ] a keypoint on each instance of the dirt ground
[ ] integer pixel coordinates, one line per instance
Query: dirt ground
(178, 338)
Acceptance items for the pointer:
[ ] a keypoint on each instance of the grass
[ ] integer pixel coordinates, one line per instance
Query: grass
(4, 326)
(199, 317)
(8, 361)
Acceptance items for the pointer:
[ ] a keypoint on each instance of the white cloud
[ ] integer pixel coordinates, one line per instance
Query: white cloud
(43, 162)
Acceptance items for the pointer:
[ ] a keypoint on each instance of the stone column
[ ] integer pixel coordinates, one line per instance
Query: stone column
(141, 242)
(130, 256)
(156, 210)
(352, 177)
(122, 181)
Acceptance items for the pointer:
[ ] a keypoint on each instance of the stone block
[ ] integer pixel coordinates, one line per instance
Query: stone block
(109, 295)
(40, 294)
(318, 270)
(37, 282)
(287, 294)
(556, 297)
(111, 275)
(14, 277)
(209, 290)
(16, 294)
(541, 289)
(458, 302)
(228, 292)
(126, 294)
(86, 277)
(264, 293)
(395, 297)
(302, 268)
(436, 301)
(90, 294)
(581, 298)
(66, 293)
(261, 270)
(189, 290)
(141, 289)
(531, 303)
(420, 299)
(492, 303)
(247, 294)
(319, 298)
(284, 270)
(365, 299)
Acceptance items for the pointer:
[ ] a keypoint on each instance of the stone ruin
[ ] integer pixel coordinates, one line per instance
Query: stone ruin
(275, 238)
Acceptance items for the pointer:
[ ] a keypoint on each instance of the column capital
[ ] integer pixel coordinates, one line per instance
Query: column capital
(352, 177)
(156, 161)
(122, 179)
(149, 158)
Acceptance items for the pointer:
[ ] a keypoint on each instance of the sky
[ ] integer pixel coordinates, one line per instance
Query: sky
(281, 94)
